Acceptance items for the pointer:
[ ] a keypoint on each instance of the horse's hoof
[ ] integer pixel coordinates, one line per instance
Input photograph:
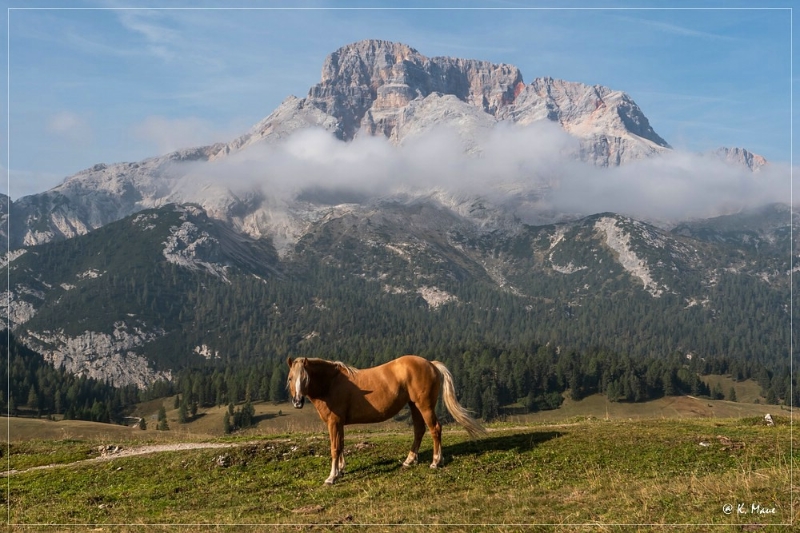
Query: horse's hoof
(328, 482)
(434, 465)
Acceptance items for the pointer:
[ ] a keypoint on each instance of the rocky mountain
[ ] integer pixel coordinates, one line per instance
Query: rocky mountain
(368, 88)
(129, 272)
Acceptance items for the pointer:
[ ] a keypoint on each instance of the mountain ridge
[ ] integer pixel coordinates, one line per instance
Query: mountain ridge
(164, 289)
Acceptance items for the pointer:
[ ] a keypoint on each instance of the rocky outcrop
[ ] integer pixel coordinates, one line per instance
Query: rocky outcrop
(101, 356)
(741, 157)
(391, 90)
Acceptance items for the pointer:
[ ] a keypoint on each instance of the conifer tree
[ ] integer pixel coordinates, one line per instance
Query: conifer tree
(731, 395)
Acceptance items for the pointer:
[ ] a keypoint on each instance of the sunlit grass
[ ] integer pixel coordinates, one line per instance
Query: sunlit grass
(590, 472)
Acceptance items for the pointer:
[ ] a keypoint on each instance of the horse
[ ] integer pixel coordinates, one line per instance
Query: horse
(345, 395)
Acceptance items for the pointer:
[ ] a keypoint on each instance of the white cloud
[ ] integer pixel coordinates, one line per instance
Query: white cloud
(71, 127)
(677, 185)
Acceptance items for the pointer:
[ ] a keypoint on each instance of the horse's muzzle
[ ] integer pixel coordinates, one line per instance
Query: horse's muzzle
(298, 404)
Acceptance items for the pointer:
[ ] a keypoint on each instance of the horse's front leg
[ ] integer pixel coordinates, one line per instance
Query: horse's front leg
(336, 432)
(419, 432)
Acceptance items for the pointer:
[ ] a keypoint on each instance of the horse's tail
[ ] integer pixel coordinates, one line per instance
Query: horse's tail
(461, 415)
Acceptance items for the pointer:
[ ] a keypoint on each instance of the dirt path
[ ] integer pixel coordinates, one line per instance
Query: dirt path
(111, 452)
(108, 453)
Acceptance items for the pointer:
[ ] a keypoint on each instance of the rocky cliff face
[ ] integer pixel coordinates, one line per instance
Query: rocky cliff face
(366, 84)
(611, 127)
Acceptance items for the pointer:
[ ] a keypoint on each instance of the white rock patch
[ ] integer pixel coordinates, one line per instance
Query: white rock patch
(17, 311)
(10, 257)
(90, 274)
(435, 296)
(183, 244)
(619, 241)
(569, 268)
(206, 352)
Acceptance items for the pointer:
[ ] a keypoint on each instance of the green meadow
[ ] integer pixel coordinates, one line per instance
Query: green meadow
(620, 471)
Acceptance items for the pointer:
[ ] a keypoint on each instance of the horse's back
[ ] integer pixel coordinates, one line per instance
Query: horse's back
(409, 368)
(401, 371)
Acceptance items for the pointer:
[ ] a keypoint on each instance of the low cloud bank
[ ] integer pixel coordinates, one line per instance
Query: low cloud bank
(504, 161)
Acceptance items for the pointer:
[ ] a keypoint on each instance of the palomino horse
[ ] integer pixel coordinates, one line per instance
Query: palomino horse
(344, 395)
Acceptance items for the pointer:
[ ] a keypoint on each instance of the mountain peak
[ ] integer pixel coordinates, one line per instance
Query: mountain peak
(369, 86)
(372, 77)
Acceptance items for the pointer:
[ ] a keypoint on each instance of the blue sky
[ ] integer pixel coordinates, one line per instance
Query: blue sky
(116, 84)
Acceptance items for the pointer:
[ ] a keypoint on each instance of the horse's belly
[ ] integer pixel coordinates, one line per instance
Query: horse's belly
(372, 410)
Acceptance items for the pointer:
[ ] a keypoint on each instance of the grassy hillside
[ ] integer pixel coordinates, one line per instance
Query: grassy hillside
(590, 472)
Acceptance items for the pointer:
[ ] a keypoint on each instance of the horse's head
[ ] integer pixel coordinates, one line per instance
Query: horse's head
(297, 382)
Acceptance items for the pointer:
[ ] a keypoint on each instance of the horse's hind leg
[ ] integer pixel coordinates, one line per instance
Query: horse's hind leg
(436, 432)
(419, 432)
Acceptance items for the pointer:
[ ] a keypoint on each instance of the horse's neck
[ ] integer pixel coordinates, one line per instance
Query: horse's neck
(321, 374)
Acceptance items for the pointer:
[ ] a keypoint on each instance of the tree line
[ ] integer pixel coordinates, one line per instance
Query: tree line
(488, 378)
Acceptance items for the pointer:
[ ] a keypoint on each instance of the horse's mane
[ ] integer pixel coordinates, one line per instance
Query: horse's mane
(347, 369)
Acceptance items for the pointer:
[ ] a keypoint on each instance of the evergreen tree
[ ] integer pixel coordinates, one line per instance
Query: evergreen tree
(277, 386)
(612, 392)
(162, 419)
(226, 424)
(183, 413)
(716, 392)
(668, 384)
(772, 398)
(490, 408)
(33, 398)
(731, 395)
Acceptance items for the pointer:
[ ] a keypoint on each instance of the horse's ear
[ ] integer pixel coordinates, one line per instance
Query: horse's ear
(305, 362)
(289, 361)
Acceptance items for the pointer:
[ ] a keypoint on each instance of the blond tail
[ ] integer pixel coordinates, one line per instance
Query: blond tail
(461, 415)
